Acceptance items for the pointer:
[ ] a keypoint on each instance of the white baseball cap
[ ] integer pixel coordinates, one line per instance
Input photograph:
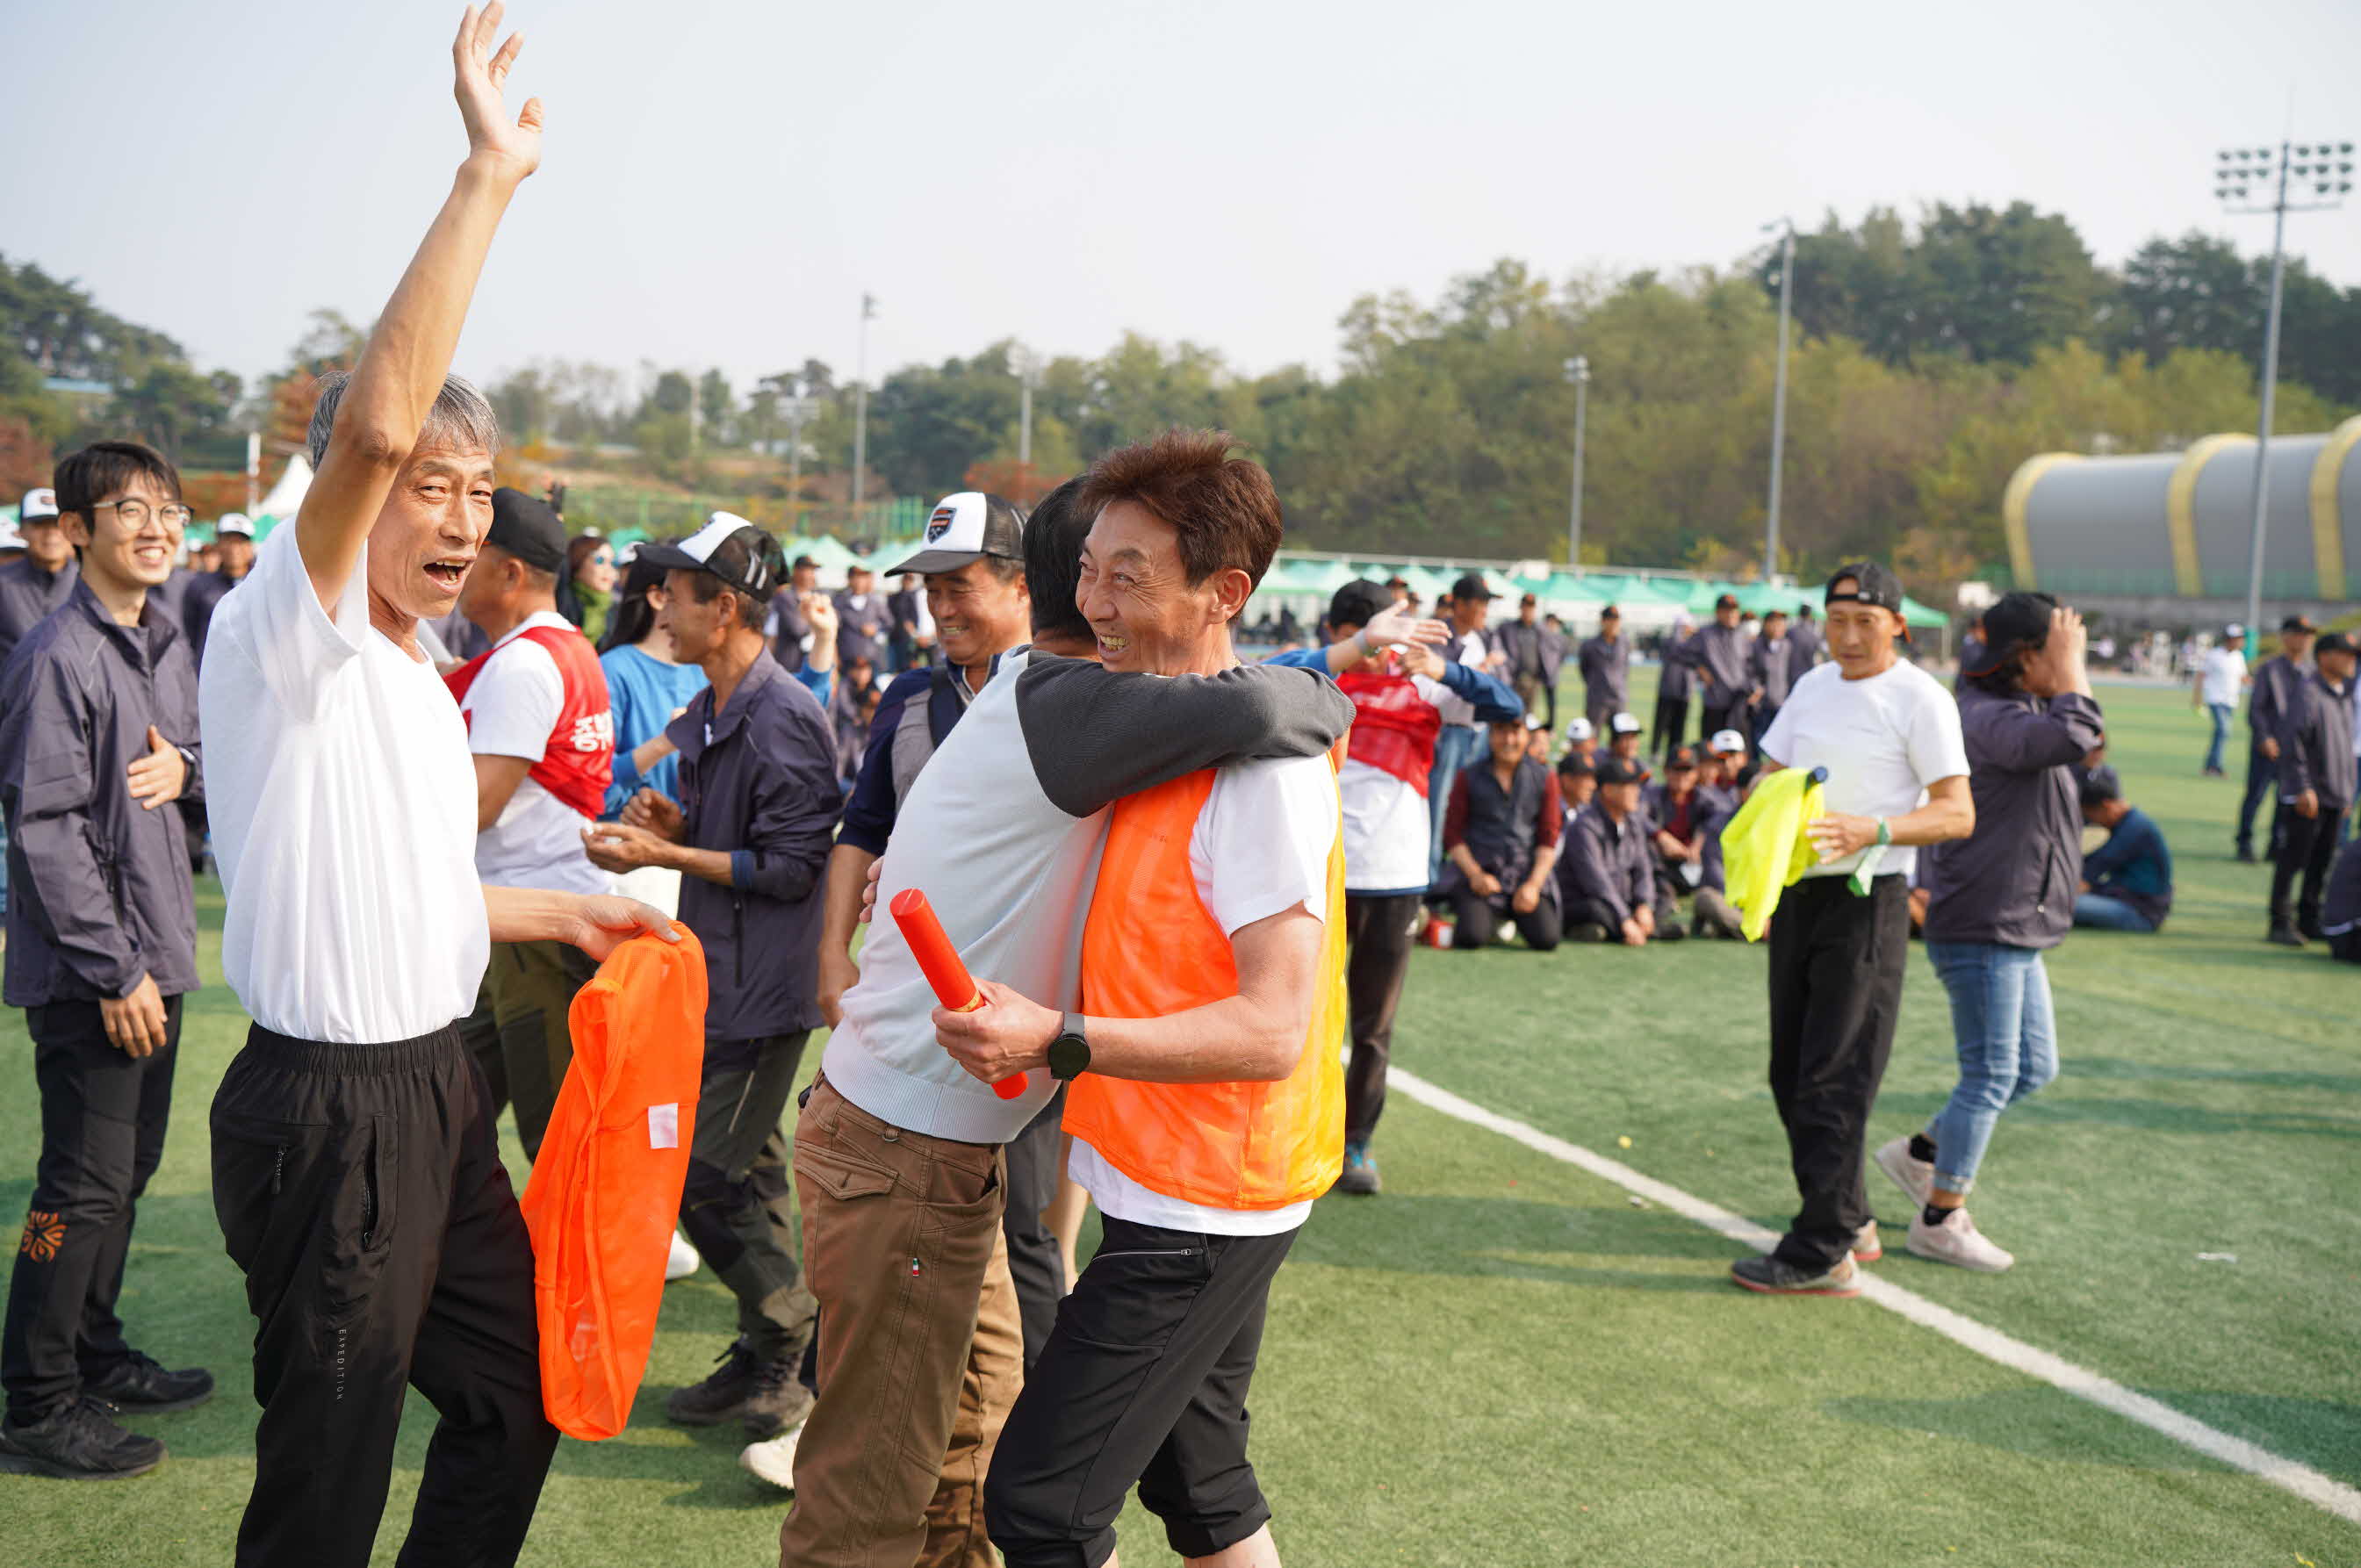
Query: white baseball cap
(1726, 742)
(967, 527)
(9, 538)
(1579, 730)
(2235, 631)
(234, 524)
(1624, 724)
(37, 506)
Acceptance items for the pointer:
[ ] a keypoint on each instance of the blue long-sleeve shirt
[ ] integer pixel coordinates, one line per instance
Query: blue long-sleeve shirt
(2135, 865)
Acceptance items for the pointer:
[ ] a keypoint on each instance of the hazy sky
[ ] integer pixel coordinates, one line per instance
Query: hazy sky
(722, 180)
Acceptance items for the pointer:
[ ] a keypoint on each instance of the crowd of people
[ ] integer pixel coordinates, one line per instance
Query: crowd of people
(449, 757)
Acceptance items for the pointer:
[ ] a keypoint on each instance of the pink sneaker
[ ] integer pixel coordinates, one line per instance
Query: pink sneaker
(1957, 1241)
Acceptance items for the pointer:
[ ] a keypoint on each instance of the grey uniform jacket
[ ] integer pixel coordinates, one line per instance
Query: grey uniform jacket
(2013, 880)
(1606, 668)
(1718, 653)
(99, 885)
(2316, 734)
(1608, 863)
(28, 596)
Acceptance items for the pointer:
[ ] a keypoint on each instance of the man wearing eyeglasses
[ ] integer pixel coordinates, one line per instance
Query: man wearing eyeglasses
(37, 584)
(101, 734)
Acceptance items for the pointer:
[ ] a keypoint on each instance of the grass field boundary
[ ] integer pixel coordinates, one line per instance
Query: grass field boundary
(2322, 1491)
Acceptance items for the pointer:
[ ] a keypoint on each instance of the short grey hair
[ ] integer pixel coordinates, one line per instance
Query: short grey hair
(461, 420)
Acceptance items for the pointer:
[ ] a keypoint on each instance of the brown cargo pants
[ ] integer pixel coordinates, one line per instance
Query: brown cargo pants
(920, 1348)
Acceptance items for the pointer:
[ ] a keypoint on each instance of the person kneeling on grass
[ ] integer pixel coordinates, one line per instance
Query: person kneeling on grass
(1500, 837)
(1999, 897)
(1607, 877)
(2126, 881)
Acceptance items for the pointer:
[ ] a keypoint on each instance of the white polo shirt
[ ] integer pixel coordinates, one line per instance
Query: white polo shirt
(343, 805)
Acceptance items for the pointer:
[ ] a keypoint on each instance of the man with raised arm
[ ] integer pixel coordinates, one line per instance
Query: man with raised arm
(356, 1172)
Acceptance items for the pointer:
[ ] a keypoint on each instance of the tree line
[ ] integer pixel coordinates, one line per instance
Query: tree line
(1930, 358)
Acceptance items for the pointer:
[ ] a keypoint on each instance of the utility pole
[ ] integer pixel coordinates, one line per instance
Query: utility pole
(1779, 396)
(2328, 169)
(1577, 370)
(861, 408)
(1026, 368)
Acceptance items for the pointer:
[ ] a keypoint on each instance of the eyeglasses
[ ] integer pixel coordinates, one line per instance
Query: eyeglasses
(133, 514)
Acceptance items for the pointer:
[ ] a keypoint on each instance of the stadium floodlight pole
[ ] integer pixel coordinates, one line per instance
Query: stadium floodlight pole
(861, 406)
(795, 414)
(1779, 394)
(2327, 168)
(1577, 370)
(1027, 370)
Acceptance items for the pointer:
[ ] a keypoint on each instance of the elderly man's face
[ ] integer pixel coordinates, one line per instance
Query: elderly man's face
(1577, 789)
(1508, 745)
(427, 533)
(696, 628)
(976, 613)
(235, 554)
(46, 543)
(1137, 595)
(1622, 799)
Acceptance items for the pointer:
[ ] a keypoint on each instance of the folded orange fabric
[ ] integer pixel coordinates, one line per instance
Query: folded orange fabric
(605, 1191)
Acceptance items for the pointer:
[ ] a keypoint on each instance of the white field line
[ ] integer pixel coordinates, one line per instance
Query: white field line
(2322, 1491)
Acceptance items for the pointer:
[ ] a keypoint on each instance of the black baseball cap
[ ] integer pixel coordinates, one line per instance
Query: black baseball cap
(729, 547)
(2100, 783)
(1577, 764)
(1682, 757)
(1612, 769)
(967, 527)
(1356, 601)
(1873, 583)
(528, 528)
(1727, 601)
(1470, 586)
(2019, 617)
(803, 561)
(1610, 613)
(2298, 623)
(2334, 643)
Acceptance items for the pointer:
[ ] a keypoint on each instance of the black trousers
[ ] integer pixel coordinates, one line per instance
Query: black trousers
(1672, 719)
(1036, 1264)
(1145, 1379)
(1600, 707)
(2262, 774)
(1479, 921)
(1381, 932)
(1836, 989)
(360, 1190)
(1721, 717)
(102, 1119)
(2307, 850)
(735, 1206)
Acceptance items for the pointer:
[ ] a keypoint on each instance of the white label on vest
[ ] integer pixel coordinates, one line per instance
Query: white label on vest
(664, 1127)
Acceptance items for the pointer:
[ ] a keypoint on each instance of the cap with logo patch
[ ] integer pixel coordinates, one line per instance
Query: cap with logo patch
(740, 555)
(233, 525)
(38, 505)
(1579, 730)
(1726, 743)
(967, 527)
(2302, 624)
(1625, 724)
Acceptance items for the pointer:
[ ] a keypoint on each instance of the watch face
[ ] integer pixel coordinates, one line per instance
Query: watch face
(1069, 1055)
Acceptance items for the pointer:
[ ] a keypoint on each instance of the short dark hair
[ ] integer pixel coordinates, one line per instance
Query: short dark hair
(103, 466)
(705, 586)
(1223, 507)
(1053, 562)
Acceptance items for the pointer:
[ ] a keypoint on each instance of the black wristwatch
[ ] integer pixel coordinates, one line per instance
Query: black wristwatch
(1070, 1053)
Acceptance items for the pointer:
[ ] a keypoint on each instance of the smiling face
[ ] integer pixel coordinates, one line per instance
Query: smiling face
(976, 614)
(1143, 610)
(119, 553)
(428, 533)
(46, 544)
(1508, 743)
(696, 628)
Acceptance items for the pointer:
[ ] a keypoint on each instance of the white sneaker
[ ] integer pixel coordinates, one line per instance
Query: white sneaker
(1915, 1177)
(1957, 1241)
(774, 1459)
(683, 1260)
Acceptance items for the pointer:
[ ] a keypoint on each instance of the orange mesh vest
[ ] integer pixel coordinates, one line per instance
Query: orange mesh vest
(605, 1192)
(1151, 949)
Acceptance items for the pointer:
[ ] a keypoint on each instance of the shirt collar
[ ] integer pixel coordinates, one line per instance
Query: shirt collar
(538, 618)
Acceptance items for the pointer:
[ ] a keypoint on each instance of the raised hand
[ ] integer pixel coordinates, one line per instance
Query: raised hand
(481, 74)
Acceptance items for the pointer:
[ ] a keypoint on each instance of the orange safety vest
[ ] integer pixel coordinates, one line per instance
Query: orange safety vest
(1151, 949)
(605, 1192)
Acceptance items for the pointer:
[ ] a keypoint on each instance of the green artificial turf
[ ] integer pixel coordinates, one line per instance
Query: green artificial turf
(1505, 1361)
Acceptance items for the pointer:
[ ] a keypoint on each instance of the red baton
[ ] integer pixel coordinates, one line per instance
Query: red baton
(940, 962)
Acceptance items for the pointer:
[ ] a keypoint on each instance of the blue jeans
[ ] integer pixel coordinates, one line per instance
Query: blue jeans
(2006, 1032)
(1453, 746)
(2104, 914)
(2222, 712)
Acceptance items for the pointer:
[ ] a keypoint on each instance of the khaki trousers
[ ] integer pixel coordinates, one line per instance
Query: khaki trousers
(920, 1347)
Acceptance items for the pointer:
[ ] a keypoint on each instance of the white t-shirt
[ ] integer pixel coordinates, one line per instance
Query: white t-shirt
(1261, 847)
(2224, 674)
(1387, 824)
(1882, 740)
(510, 709)
(343, 807)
